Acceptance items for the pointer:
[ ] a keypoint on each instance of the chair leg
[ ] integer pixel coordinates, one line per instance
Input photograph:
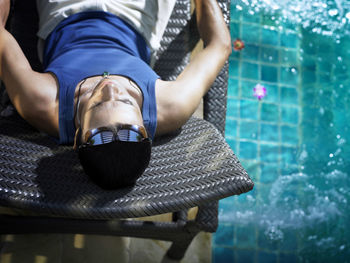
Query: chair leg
(179, 248)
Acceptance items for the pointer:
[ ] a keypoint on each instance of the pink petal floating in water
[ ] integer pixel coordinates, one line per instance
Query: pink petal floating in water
(259, 91)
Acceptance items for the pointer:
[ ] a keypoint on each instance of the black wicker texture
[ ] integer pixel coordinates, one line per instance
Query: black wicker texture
(23, 24)
(216, 99)
(173, 54)
(186, 170)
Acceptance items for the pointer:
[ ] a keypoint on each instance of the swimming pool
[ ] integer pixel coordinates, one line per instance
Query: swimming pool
(294, 142)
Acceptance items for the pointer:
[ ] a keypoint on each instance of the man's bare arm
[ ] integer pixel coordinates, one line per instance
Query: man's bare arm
(176, 101)
(33, 94)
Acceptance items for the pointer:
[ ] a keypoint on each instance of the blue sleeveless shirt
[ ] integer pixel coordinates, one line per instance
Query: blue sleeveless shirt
(90, 43)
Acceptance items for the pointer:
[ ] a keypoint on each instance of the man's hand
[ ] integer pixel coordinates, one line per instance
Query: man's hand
(211, 25)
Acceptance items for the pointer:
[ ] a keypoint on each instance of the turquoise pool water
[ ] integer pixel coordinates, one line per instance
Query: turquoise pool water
(294, 142)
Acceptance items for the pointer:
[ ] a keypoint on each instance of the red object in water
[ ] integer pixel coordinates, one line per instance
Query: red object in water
(238, 45)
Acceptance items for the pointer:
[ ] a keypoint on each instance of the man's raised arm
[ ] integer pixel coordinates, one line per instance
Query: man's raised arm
(33, 94)
(179, 99)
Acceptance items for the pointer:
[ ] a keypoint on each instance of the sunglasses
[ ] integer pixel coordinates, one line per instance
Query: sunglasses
(121, 132)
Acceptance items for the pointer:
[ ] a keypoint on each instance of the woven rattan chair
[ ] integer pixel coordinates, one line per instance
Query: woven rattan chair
(43, 183)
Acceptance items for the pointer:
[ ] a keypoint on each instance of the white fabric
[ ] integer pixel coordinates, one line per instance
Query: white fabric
(148, 17)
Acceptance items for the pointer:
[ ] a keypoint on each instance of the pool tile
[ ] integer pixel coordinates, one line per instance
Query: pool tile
(324, 66)
(232, 107)
(232, 143)
(250, 71)
(245, 236)
(289, 155)
(232, 87)
(227, 204)
(266, 257)
(289, 95)
(224, 235)
(308, 47)
(289, 39)
(324, 79)
(265, 242)
(245, 201)
(245, 256)
(325, 100)
(309, 97)
(288, 56)
(290, 115)
(308, 63)
(248, 130)
(308, 77)
(289, 134)
(269, 20)
(235, 30)
(269, 37)
(269, 55)
(251, 34)
(269, 173)
(289, 242)
(269, 112)
(263, 193)
(252, 167)
(269, 73)
(287, 169)
(269, 132)
(269, 153)
(231, 127)
(288, 258)
(251, 18)
(289, 75)
(236, 54)
(222, 254)
(233, 67)
(340, 69)
(272, 93)
(247, 88)
(235, 13)
(249, 109)
(248, 150)
(251, 52)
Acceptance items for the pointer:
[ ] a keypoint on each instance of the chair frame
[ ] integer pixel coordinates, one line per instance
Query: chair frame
(180, 231)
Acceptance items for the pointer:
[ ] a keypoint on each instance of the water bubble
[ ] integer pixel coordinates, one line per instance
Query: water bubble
(341, 142)
(331, 155)
(333, 12)
(312, 237)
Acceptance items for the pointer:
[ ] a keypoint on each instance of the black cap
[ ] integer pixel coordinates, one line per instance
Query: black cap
(117, 164)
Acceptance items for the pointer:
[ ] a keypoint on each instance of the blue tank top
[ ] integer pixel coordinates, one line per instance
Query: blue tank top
(90, 43)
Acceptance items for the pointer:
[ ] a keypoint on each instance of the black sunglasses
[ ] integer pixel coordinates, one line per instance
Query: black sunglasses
(121, 132)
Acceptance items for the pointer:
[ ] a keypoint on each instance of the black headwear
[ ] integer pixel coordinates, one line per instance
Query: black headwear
(117, 164)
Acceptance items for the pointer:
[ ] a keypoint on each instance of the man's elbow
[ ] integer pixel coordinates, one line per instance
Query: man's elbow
(226, 45)
(227, 48)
